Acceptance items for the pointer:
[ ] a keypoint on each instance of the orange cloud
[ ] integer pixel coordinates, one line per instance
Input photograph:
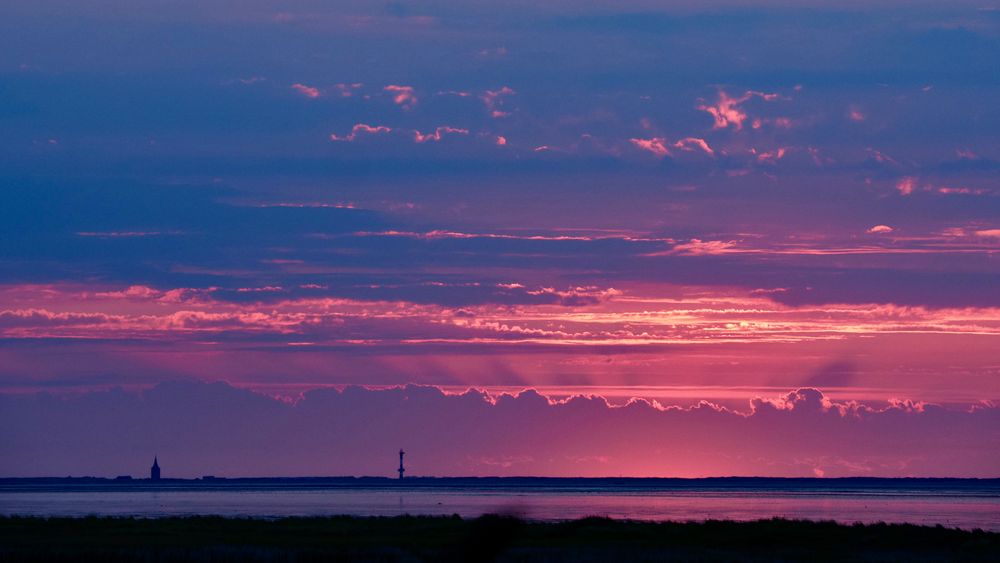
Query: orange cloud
(656, 145)
(881, 157)
(493, 99)
(693, 143)
(698, 247)
(660, 146)
(906, 185)
(948, 190)
(402, 96)
(307, 91)
(358, 129)
(438, 134)
(347, 90)
(771, 157)
(727, 111)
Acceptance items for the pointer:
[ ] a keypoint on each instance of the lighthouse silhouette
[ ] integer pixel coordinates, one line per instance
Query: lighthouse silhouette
(401, 468)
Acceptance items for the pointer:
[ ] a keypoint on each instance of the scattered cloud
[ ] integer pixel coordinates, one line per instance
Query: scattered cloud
(660, 146)
(727, 111)
(906, 185)
(251, 80)
(438, 134)
(881, 158)
(307, 91)
(655, 145)
(962, 190)
(403, 96)
(361, 128)
(348, 90)
(494, 101)
(694, 143)
(880, 230)
(697, 247)
(772, 156)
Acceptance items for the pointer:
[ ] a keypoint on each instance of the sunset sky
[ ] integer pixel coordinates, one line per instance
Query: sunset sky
(586, 237)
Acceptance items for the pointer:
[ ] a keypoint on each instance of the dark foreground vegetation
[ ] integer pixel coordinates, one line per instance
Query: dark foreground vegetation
(489, 538)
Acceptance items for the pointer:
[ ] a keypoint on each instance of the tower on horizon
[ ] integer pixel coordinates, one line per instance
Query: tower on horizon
(154, 472)
(401, 468)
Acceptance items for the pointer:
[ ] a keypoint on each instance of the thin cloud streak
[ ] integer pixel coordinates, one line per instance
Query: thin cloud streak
(438, 134)
(361, 128)
(585, 316)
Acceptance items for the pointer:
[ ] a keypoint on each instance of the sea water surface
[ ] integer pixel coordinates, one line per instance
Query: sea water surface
(966, 504)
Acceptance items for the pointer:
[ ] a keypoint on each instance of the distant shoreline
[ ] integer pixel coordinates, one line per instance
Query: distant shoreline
(615, 483)
(526, 478)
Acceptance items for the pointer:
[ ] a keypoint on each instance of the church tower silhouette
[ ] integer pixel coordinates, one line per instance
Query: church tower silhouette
(154, 472)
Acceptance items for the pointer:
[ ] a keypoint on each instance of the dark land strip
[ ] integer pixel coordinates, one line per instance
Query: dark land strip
(488, 538)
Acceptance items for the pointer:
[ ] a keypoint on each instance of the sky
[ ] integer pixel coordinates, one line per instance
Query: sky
(538, 238)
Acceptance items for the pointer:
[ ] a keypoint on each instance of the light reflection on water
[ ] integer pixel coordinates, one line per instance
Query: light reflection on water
(917, 507)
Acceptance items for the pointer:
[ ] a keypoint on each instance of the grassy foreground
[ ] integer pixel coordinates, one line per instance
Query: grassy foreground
(489, 538)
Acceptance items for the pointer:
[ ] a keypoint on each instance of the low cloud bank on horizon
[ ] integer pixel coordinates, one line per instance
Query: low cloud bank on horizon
(198, 429)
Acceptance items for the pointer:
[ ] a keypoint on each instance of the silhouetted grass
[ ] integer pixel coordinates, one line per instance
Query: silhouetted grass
(489, 538)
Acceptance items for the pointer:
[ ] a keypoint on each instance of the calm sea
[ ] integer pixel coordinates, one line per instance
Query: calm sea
(952, 503)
